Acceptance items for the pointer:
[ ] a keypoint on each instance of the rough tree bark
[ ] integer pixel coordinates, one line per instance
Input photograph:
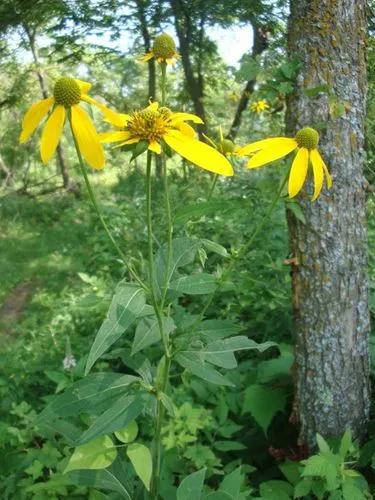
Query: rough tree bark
(68, 185)
(330, 284)
(259, 45)
(184, 29)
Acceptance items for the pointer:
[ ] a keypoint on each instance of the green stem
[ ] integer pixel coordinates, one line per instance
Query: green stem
(99, 213)
(160, 410)
(243, 249)
(213, 185)
(169, 234)
(163, 66)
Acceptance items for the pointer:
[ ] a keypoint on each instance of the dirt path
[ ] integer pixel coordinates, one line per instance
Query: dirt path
(13, 306)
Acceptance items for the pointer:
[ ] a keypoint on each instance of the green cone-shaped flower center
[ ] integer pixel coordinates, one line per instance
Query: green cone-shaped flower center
(307, 137)
(67, 92)
(164, 47)
(227, 146)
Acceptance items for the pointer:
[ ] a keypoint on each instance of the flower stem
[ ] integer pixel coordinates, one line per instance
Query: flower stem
(243, 249)
(95, 204)
(213, 185)
(162, 386)
(163, 67)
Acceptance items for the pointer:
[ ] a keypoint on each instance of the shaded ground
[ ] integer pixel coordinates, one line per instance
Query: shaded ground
(14, 305)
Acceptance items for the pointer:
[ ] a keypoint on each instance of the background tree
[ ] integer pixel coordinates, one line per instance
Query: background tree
(329, 278)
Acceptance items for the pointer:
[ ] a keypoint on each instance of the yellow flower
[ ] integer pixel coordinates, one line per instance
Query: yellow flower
(67, 94)
(164, 50)
(157, 125)
(306, 142)
(259, 106)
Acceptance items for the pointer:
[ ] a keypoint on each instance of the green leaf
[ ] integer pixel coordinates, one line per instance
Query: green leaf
(115, 478)
(91, 395)
(322, 443)
(303, 488)
(212, 329)
(296, 210)
(212, 246)
(276, 490)
(218, 495)
(229, 446)
(238, 343)
(184, 251)
(194, 284)
(263, 404)
(138, 149)
(314, 91)
(346, 444)
(97, 454)
(167, 403)
(191, 487)
(291, 470)
(231, 484)
(147, 332)
(128, 433)
(351, 492)
(116, 417)
(141, 459)
(184, 214)
(127, 304)
(194, 364)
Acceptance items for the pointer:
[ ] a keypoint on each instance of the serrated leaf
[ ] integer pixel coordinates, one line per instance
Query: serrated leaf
(193, 364)
(147, 332)
(116, 417)
(97, 454)
(128, 433)
(263, 404)
(192, 486)
(141, 459)
(167, 403)
(322, 443)
(296, 210)
(276, 490)
(194, 284)
(127, 304)
(91, 395)
(239, 343)
(346, 444)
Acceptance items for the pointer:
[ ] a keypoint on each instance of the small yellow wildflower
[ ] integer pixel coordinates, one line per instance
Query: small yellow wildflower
(164, 50)
(67, 94)
(306, 141)
(156, 125)
(259, 106)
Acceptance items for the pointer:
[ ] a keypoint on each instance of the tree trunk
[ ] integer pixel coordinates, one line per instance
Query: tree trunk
(259, 45)
(68, 185)
(194, 84)
(330, 283)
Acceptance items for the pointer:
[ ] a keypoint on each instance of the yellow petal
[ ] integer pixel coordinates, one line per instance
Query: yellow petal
(155, 147)
(263, 144)
(181, 117)
(318, 173)
(147, 57)
(117, 119)
(272, 152)
(298, 172)
(119, 135)
(198, 153)
(51, 133)
(129, 141)
(153, 106)
(84, 86)
(87, 138)
(186, 129)
(34, 116)
(326, 172)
